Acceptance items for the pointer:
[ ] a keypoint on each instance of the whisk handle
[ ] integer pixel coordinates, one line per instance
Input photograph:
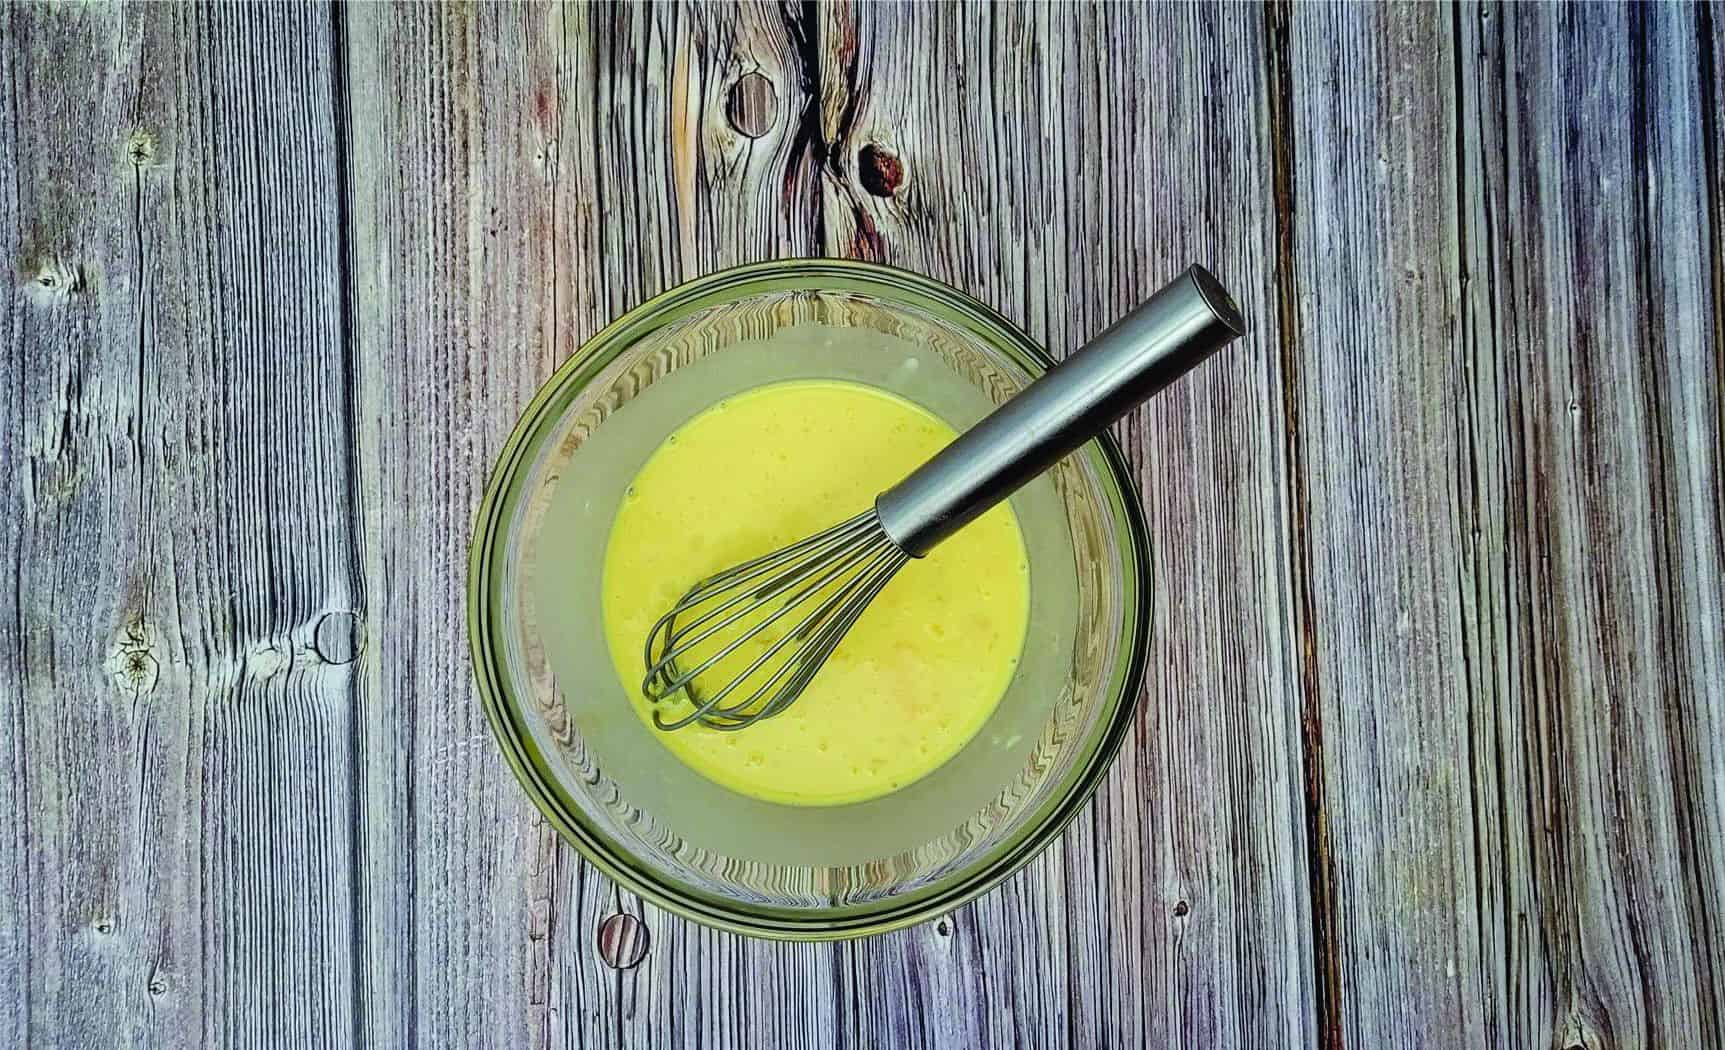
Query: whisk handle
(1160, 341)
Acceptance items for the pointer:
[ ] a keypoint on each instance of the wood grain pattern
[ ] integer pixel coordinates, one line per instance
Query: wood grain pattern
(1516, 575)
(443, 894)
(1063, 194)
(180, 521)
(1602, 318)
(1432, 750)
(1375, 390)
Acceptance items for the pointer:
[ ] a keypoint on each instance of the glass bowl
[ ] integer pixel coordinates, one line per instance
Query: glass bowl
(597, 772)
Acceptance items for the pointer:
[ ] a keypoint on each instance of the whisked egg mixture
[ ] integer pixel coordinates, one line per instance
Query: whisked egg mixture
(917, 675)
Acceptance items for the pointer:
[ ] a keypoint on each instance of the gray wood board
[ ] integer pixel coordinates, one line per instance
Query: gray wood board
(1430, 751)
(1508, 448)
(1596, 303)
(180, 526)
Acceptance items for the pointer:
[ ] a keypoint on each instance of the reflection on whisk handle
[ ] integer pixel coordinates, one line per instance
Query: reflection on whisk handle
(1078, 399)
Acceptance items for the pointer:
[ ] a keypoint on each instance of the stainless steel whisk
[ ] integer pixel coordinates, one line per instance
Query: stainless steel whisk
(818, 587)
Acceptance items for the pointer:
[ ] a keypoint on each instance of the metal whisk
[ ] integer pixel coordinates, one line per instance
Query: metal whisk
(796, 604)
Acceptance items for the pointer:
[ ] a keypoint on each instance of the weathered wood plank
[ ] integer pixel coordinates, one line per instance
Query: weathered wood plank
(454, 286)
(1507, 395)
(521, 176)
(180, 501)
(1596, 317)
(1061, 162)
(1375, 391)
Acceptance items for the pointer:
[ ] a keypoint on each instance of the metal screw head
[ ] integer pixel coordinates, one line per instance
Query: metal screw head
(622, 941)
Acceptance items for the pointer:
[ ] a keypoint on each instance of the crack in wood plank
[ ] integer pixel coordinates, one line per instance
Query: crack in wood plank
(1320, 875)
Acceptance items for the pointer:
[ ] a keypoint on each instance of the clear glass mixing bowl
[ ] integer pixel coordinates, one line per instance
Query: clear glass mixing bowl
(597, 772)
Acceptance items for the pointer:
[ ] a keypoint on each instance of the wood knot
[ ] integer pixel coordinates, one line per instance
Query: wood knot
(943, 929)
(52, 279)
(132, 662)
(158, 983)
(752, 105)
(267, 660)
(1181, 908)
(141, 148)
(336, 637)
(880, 170)
(622, 941)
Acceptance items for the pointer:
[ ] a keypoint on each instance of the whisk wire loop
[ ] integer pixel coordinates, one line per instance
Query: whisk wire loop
(838, 571)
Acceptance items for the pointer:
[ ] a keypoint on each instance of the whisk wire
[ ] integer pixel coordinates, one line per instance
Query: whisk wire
(856, 556)
(808, 660)
(821, 633)
(812, 548)
(673, 683)
(680, 643)
(812, 657)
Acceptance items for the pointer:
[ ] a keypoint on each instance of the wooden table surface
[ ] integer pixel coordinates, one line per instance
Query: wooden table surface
(1432, 748)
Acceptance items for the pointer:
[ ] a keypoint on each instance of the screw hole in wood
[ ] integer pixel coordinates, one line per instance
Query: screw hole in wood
(751, 105)
(336, 637)
(622, 941)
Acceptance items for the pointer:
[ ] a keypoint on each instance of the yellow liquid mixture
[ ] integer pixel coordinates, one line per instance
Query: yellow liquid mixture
(917, 675)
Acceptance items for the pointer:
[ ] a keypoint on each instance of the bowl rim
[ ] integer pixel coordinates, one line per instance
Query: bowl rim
(486, 556)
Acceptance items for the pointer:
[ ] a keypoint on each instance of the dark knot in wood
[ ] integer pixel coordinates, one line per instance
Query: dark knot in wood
(141, 148)
(132, 663)
(53, 279)
(880, 170)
